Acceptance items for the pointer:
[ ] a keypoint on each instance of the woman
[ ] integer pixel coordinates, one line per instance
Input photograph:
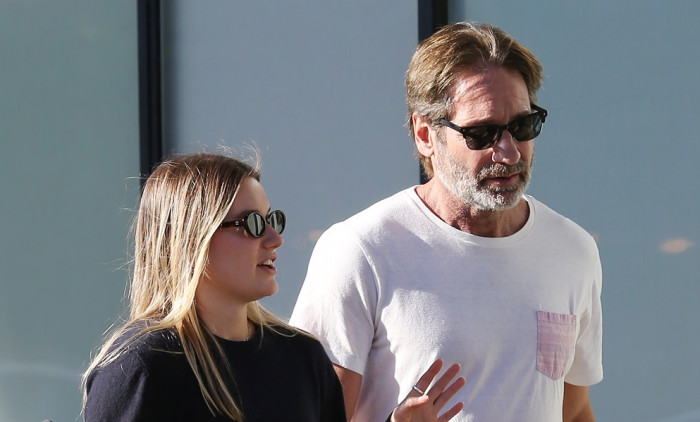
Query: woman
(197, 344)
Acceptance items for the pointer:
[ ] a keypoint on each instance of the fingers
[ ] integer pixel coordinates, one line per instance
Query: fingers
(449, 393)
(434, 399)
(440, 385)
(424, 382)
(442, 391)
(451, 413)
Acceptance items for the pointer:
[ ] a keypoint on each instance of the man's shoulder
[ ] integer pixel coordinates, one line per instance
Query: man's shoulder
(384, 216)
(546, 214)
(552, 221)
(386, 209)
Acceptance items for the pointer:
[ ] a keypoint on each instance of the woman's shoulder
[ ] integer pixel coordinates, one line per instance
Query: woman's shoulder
(289, 333)
(139, 338)
(287, 337)
(151, 355)
(148, 349)
(144, 372)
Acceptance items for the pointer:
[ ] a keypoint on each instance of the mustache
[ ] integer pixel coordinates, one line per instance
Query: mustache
(502, 170)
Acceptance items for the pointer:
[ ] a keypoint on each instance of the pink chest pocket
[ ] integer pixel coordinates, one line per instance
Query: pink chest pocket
(556, 341)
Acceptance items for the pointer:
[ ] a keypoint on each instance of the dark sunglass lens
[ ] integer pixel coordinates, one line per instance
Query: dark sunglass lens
(480, 137)
(255, 224)
(526, 128)
(476, 145)
(277, 220)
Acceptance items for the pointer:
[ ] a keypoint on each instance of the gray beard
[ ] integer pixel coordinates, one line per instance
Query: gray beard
(468, 188)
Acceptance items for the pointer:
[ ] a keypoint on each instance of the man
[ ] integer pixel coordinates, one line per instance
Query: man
(465, 267)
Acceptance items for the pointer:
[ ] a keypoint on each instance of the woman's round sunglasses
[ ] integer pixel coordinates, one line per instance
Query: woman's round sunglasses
(523, 128)
(254, 222)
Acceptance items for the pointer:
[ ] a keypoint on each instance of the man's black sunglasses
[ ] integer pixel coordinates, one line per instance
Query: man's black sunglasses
(254, 222)
(523, 128)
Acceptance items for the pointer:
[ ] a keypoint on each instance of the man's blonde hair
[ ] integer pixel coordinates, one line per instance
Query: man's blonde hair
(437, 61)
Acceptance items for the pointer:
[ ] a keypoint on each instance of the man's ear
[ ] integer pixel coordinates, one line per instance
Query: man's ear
(423, 135)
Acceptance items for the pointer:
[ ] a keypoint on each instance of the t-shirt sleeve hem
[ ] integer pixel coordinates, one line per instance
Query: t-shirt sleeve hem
(584, 380)
(348, 362)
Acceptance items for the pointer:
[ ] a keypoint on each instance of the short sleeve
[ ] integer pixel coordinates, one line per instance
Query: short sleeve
(337, 302)
(333, 402)
(587, 367)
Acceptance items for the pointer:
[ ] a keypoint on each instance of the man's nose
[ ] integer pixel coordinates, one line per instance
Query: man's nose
(505, 150)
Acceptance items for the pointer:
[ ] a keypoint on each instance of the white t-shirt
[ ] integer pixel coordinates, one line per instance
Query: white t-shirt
(394, 287)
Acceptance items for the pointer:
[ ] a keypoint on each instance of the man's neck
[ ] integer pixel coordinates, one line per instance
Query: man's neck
(469, 218)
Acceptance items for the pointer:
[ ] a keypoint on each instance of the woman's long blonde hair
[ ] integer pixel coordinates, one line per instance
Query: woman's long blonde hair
(183, 203)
